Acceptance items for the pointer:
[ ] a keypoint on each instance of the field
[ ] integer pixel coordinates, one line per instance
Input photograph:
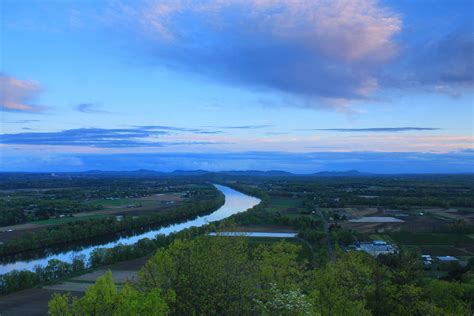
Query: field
(64, 220)
(284, 204)
(436, 244)
(436, 218)
(466, 214)
(11, 232)
(136, 206)
(124, 206)
(14, 304)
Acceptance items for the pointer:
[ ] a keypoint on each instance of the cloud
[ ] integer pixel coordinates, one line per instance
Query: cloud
(243, 126)
(93, 137)
(390, 162)
(373, 129)
(18, 95)
(326, 51)
(178, 129)
(443, 65)
(89, 108)
(97, 137)
(20, 121)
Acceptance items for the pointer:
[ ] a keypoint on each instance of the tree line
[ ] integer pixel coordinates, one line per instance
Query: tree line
(85, 229)
(224, 276)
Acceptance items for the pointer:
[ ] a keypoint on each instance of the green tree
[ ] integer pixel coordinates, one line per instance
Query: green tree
(103, 299)
(287, 303)
(343, 286)
(207, 275)
(279, 265)
(448, 296)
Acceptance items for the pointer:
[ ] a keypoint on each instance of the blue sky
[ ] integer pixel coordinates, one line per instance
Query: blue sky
(302, 86)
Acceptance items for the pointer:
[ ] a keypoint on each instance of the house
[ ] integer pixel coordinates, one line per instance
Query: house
(374, 248)
(427, 260)
(447, 258)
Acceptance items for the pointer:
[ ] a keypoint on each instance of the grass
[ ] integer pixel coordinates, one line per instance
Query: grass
(406, 238)
(291, 207)
(138, 202)
(435, 244)
(57, 221)
(444, 251)
(283, 203)
(116, 202)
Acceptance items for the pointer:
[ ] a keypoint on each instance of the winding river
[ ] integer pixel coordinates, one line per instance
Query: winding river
(235, 202)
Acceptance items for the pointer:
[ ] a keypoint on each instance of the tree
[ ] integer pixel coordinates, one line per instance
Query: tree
(343, 286)
(102, 298)
(207, 275)
(278, 266)
(406, 266)
(280, 302)
(448, 296)
(59, 305)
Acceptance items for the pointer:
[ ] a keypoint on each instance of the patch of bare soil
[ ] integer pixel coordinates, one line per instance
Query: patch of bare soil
(11, 232)
(32, 302)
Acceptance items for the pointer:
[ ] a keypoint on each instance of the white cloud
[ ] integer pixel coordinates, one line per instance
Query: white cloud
(17, 95)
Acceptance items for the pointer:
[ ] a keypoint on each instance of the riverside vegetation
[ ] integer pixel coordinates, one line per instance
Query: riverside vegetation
(193, 274)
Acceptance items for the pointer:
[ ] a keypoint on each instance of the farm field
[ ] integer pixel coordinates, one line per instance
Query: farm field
(436, 244)
(319, 211)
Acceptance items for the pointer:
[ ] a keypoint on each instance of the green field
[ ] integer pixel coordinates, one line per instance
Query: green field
(56, 221)
(406, 238)
(444, 251)
(124, 202)
(435, 244)
(284, 204)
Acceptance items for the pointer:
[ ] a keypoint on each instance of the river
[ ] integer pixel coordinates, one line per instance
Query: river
(235, 202)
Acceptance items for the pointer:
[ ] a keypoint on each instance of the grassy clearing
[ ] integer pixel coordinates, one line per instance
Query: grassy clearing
(57, 221)
(117, 202)
(283, 203)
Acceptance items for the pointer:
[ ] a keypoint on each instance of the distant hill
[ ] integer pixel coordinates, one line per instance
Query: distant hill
(196, 173)
(188, 173)
(257, 173)
(349, 173)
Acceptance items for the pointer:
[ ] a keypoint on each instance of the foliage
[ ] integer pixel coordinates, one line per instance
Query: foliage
(103, 298)
(223, 276)
(80, 230)
(19, 280)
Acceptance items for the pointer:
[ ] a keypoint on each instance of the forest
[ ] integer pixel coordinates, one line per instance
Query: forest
(225, 276)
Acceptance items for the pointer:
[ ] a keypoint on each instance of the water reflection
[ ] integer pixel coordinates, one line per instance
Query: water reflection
(235, 202)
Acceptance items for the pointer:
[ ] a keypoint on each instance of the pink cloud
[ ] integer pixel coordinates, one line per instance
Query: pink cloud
(17, 95)
(350, 30)
(328, 53)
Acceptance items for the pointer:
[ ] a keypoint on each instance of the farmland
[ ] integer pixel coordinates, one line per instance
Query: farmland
(329, 216)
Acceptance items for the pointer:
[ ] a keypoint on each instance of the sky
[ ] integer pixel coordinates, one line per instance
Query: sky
(301, 86)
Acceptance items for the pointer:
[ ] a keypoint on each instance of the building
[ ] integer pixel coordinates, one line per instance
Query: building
(447, 258)
(374, 248)
(427, 260)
